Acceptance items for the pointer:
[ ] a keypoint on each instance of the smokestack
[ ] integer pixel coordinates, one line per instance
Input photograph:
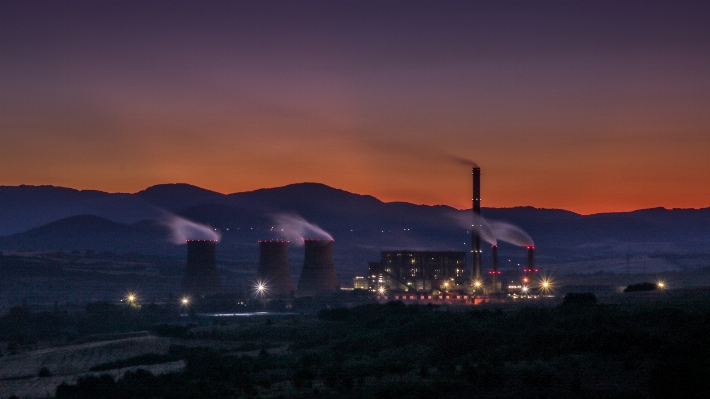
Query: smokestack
(475, 238)
(530, 269)
(318, 273)
(494, 270)
(273, 267)
(201, 277)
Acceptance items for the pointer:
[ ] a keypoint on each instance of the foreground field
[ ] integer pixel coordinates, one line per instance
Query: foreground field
(19, 374)
(652, 344)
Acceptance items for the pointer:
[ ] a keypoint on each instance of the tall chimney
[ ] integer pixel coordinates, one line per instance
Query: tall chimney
(273, 267)
(201, 276)
(318, 275)
(494, 270)
(475, 238)
(530, 269)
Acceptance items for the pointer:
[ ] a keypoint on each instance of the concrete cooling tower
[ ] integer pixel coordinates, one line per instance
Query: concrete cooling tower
(273, 267)
(318, 275)
(201, 277)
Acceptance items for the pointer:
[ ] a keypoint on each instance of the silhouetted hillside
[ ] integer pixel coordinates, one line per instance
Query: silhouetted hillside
(95, 233)
(176, 197)
(361, 225)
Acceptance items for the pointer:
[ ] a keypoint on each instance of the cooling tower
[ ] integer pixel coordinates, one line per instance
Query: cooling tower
(530, 269)
(273, 267)
(475, 238)
(201, 277)
(495, 284)
(318, 275)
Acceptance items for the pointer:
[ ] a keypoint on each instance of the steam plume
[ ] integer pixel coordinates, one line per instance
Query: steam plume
(493, 230)
(294, 228)
(183, 230)
(510, 233)
(478, 224)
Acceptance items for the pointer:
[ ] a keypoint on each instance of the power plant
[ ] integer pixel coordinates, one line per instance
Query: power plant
(425, 273)
(318, 275)
(420, 272)
(201, 277)
(273, 269)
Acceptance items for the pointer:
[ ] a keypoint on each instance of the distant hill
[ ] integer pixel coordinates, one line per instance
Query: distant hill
(176, 197)
(48, 217)
(92, 232)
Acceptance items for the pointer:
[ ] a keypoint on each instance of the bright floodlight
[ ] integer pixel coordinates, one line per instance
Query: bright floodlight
(185, 301)
(661, 285)
(525, 288)
(381, 290)
(260, 288)
(477, 284)
(131, 298)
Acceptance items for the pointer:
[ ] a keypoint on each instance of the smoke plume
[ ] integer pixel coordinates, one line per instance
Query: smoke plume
(459, 160)
(419, 151)
(295, 228)
(183, 230)
(493, 230)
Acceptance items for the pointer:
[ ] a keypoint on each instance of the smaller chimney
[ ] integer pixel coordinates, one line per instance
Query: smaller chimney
(529, 271)
(495, 284)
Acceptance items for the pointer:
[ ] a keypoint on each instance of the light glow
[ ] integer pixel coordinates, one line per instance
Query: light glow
(260, 288)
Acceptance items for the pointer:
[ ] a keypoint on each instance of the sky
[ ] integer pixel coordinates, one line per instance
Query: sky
(600, 106)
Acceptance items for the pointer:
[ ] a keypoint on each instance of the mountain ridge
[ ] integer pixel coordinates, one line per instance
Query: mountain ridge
(361, 224)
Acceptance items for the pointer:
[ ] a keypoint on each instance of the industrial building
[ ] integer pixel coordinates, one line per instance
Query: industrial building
(361, 283)
(418, 271)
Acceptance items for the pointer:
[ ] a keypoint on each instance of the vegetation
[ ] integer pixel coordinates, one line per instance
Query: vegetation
(141, 360)
(641, 287)
(579, 349)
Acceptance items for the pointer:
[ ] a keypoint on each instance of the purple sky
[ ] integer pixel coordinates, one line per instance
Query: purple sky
(587, 106)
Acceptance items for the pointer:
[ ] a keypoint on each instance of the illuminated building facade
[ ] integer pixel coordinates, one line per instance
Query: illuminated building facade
(418, 271)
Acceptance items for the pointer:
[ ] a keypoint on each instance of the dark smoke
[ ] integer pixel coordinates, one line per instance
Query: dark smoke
(460, 160)
(419, 152)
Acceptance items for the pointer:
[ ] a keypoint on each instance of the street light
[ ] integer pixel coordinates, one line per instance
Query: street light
(185, 301)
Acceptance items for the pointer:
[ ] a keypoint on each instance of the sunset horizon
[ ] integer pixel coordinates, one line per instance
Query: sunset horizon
(590, 107)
